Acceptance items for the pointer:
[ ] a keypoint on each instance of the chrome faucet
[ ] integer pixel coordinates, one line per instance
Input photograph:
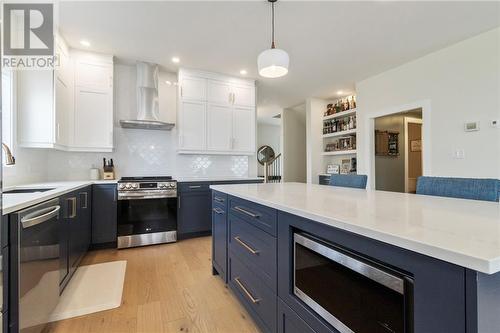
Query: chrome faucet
(9, 158)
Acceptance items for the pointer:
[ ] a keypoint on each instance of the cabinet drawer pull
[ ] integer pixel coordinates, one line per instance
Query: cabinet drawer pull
(218, 199)
(246, 246)
(244, 211)
(195, 186)
(245, 290)
(72, 200)
(218, 210)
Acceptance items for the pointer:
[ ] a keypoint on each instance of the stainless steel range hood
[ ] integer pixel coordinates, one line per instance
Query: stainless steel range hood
(147, 100)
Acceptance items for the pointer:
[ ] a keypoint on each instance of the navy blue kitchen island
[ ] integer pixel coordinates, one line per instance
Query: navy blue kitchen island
(309, 258)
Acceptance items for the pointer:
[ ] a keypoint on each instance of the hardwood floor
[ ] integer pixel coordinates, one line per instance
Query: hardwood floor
(168, 288)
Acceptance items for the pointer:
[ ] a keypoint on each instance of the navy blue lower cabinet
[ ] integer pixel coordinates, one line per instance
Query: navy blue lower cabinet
(104, 215)
(259, 300)
(433, 300)
(219, 234)
(257, 215)
(289, 321)
(194, 214)
(254, 247)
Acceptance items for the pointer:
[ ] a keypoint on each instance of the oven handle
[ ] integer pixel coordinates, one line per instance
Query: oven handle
(373, 273)
(144, 197)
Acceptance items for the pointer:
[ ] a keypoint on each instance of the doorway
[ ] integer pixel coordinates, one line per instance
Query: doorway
(398, 151)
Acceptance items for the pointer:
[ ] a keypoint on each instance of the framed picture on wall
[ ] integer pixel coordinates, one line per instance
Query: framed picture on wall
(346, 166)
(333, 169)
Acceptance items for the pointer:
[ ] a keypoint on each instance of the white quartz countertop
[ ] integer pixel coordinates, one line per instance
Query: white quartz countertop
(12, 202)
(462, 232)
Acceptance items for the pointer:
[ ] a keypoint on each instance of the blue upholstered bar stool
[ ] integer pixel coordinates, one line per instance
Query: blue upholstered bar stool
(464, 188)
(354, 181)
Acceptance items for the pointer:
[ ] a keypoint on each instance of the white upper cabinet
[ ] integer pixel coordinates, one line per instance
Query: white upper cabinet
(93, 119)
(193, 88)
(243, 95)
(219, 92)
(35, 109)
(243, 130)
(222, 121)
(70, 108)
(192, 120)
(219, 122)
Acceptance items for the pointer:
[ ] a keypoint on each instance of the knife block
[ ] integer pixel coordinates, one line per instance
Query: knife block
(108, 175)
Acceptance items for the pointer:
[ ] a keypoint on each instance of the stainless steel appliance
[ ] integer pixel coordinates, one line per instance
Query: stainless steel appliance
(147, 211)
(351, 292)
(38, 253)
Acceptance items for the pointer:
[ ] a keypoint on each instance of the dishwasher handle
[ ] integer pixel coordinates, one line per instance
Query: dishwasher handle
(40, 216)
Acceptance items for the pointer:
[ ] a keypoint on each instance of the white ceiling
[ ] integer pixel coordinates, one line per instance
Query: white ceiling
(331, 44)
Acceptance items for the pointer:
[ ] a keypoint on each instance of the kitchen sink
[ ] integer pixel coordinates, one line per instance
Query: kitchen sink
(27, 190)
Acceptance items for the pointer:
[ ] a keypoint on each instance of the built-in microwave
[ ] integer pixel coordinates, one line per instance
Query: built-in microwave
(350, 292)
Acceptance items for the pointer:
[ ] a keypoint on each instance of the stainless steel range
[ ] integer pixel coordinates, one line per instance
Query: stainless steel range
(147, 211)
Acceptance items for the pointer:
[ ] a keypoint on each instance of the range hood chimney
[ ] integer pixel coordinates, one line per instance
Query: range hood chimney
(147, 100)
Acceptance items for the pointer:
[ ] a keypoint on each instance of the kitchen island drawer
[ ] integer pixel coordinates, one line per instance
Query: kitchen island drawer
(255, 248)
(260, 216)
(258, 299)
(219, 199)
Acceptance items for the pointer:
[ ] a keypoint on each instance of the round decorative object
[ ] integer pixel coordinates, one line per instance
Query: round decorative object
(265, 154)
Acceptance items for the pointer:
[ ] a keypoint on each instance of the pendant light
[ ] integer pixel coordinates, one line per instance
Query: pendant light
(273, 62)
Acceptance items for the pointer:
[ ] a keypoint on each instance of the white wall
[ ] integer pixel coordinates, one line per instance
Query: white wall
(269, 135)
(459, 83)
(315, 109)
(294, 146)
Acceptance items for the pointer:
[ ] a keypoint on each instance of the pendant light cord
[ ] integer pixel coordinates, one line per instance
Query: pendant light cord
(272, 26)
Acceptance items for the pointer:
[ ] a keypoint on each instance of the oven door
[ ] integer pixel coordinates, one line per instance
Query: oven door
(351, 293)
(146, 221)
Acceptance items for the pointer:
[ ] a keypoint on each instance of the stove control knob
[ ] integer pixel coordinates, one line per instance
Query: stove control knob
(121, 186)
(171, 185)
(128, 186)
(135, 186)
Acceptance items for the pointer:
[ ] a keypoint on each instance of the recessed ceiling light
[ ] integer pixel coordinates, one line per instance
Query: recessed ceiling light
(85, 43)
(340, 92)
(243, 72)
(168, 82)
(176, 60)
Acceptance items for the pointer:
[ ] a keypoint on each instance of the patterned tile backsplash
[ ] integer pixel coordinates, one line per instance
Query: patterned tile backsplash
(146, 153)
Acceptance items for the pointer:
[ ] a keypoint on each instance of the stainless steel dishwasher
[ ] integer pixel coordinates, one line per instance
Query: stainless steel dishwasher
(39, 232)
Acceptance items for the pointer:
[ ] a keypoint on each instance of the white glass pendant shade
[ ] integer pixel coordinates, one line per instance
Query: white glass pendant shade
(273, 63)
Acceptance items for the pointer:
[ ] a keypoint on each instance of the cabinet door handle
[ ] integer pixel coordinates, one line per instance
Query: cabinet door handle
(246, 246)
(194, 186)
(245, 290)
(179, 201)
(72, 201)
(182, 95)
(114, 195)
(246, 212)
(85, 204)
(218, 211)
(218, 199)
